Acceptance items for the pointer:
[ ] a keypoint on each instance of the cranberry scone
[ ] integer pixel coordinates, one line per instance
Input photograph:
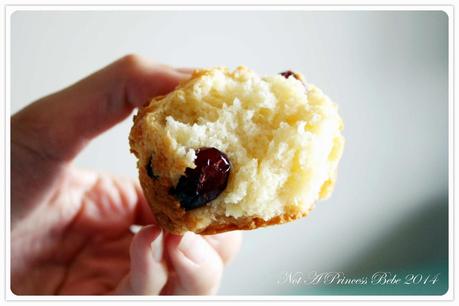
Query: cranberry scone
(229, 150)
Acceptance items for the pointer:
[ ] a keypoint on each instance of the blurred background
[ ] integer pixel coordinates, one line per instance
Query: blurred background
(388, 72)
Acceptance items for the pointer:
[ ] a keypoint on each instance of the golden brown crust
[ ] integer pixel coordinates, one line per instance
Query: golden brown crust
(250, 223)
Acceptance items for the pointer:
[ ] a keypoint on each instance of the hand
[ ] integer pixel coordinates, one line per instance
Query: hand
(70, 228)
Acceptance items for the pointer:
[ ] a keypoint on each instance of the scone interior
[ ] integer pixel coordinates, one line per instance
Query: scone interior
(282, 136)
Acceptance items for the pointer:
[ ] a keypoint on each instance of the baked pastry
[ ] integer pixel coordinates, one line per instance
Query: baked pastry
(230, 150)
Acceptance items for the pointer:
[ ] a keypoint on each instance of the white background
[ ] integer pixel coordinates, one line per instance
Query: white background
(386, 70)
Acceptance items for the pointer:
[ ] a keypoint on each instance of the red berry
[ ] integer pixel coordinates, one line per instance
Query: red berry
(288, 73)
(205, 182)
(150, 171)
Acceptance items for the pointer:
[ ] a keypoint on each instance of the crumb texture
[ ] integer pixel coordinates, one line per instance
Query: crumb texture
(282, 136)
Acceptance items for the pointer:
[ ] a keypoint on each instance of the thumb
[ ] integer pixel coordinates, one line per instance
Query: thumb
(60, 125)
(196, 265)
(148, 272)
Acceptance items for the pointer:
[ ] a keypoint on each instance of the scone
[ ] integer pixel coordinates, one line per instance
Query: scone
(229, 150)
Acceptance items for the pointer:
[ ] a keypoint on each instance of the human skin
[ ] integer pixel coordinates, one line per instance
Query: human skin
(70, 227)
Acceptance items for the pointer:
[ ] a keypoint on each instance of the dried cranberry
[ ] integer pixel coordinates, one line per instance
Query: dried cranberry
(205, 182)
(150, 171)
(288, 73)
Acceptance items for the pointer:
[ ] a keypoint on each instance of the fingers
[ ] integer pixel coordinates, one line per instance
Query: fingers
(61, 124)
(148, 272)
(132, 206)
(196, 263)
(109, 203)
(143, 214)
(198, 267)
(226, 244)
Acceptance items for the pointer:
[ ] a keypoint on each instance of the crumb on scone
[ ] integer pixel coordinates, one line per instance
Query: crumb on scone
(281, 135)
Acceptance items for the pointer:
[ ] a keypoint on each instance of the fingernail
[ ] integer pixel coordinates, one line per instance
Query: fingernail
(157, 248)
(135, 228)
(192, 247)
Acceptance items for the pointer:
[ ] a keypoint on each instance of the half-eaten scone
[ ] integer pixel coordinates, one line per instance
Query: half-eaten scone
(230, 150)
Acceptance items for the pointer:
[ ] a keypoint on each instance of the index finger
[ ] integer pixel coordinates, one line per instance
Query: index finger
(61, 124)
